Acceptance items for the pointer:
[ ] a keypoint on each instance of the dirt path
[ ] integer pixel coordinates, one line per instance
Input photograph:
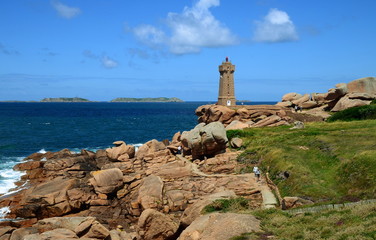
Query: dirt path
(268, 198)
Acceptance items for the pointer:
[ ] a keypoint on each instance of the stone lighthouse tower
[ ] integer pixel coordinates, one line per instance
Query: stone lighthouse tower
(226, 96)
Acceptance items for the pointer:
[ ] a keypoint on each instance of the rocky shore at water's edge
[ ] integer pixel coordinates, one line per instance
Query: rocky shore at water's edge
(120, 193)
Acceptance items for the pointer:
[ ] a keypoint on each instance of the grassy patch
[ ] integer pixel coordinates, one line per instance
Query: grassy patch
(238, 133)
(324, 162)
(355, 113)
(354, 223)
(227, 205)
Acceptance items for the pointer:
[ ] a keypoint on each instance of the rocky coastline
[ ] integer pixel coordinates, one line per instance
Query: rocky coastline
(157, 192)
(120, 193)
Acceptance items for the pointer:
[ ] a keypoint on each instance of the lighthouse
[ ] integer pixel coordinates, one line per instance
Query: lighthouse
(226, 95)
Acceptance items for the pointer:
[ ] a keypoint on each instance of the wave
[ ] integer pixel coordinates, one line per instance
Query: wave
(8, 177)
(4, 211)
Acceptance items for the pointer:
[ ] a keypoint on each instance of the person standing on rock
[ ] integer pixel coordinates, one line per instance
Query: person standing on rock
(255, 170)
(257, 174)
(179, 150)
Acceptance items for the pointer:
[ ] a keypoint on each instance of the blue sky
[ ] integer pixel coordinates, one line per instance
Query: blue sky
(103, 49)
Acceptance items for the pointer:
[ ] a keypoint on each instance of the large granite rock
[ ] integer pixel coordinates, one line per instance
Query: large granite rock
(346, 102)
(150, 193)
(47, 199)
(220, 226)
(107, 181)
(195, 210)
(362, 85)
(205, 140)
(154, 225)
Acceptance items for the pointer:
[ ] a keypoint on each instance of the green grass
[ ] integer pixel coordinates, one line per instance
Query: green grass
(326, 162)
(227, 205)
(355, 113)
(352, 223)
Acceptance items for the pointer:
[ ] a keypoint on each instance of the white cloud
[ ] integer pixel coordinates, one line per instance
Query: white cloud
(149, 35)
(108, 62)
(275, 27)
(64, 10)
(189, 31)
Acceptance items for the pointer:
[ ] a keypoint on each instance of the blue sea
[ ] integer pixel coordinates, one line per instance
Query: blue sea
(26, 128)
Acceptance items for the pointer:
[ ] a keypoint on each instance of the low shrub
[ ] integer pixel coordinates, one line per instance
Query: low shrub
(355, 113)
(227, 205)
(238, 133)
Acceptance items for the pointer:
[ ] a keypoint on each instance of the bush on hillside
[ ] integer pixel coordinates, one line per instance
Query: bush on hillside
(355, 113)
(238, 133)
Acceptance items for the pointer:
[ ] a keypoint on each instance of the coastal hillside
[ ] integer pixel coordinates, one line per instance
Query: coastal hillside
(323, 162)
(160, 99)
(62, 99)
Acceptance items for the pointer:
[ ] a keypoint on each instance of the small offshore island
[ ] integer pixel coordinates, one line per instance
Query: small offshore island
(129, 100)
(160, 99)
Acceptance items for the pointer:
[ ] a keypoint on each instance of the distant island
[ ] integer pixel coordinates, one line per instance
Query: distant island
(77, 99)
(61, 99)
(160, 99)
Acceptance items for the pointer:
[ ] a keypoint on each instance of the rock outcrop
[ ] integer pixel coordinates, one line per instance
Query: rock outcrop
(359, 92)
(243, 116)
(146, 194)
(211, 226)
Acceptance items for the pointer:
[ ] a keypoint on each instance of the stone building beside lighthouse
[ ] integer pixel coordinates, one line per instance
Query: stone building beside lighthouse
(226, 95)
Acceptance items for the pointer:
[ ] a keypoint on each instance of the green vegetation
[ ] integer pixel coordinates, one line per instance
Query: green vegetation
(324, 162)
(355, 113)
(347, 223)
(160, 99)
(75, 99)
(227, 205)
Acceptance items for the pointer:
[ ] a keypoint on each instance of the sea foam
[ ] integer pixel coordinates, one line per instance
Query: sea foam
(8, 177)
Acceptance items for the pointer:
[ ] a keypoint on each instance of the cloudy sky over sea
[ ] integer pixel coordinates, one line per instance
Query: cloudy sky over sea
(103, 49)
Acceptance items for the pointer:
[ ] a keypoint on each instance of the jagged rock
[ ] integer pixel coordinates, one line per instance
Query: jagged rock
(290, 97)
(150, 193)
(336, 93)
(220, 113)
(243, 113)
(69, 165)
(303, 99)
(176, 138)
(362, 85)
(156, 226)
(121, 148)
(346, 102)
(267, 121)
(236, 142)
(195, 210)
(107, 181)
(211, 226)
(28, 165)
(47, 199)
(292, 202)
(149, 147)
(236, 124)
